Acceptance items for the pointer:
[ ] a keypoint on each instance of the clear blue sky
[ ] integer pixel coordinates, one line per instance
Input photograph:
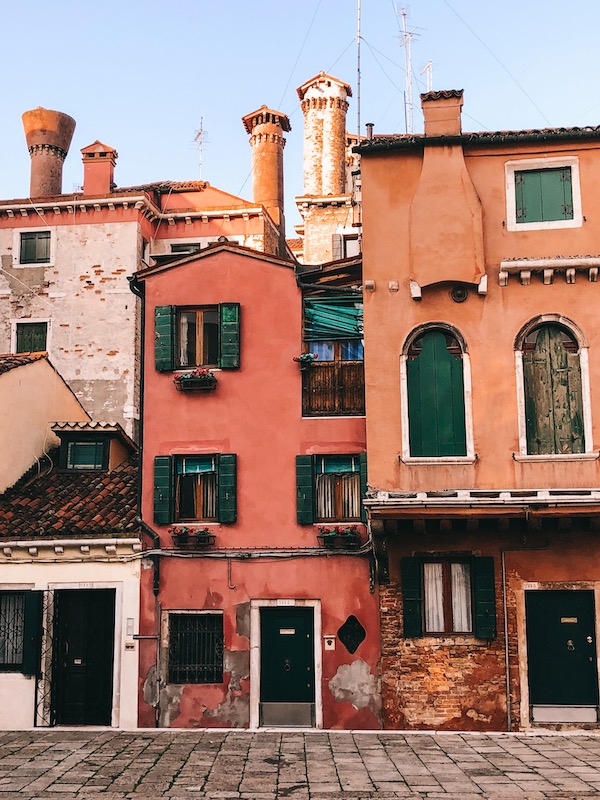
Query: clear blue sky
(140, 74)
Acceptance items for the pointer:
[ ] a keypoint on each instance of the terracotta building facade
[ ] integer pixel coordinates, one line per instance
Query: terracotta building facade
(482, 364)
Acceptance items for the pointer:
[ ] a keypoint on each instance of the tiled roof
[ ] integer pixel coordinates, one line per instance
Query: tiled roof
(62, 504)
(10, 361)
(94, 427)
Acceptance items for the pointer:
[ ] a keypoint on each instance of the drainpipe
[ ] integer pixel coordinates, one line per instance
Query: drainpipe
(503, 553)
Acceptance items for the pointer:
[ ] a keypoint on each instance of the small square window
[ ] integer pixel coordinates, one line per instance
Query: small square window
(35, 247)
(195, 648)
(186, 247)
(542, 194)
(86, 455)
(32, 337)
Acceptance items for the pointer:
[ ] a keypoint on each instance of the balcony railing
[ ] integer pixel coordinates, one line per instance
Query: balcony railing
(333, 388)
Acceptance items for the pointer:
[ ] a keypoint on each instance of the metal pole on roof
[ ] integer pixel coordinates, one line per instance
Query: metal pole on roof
(358, 75)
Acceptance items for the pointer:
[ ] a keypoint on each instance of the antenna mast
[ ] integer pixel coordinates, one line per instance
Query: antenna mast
(428, 69)
(408, 97)
(358, 74)
(199, 139)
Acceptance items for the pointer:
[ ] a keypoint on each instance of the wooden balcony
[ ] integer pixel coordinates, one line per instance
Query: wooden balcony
(333, 388)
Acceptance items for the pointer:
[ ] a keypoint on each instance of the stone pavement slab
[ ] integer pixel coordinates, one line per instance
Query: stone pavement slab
(68, 764)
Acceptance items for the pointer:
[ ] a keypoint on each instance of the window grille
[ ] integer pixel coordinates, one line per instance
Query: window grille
(195, 648)
(12, 622)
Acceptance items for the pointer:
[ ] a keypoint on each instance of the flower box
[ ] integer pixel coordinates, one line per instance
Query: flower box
(328, 540)
(199, 379)
(347, 538)
(305, 360)
(185, 538)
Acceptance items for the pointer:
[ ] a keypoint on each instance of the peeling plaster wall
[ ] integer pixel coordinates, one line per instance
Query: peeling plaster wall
(85, 295)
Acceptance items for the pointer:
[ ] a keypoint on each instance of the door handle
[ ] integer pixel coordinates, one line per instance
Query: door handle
(570, 645)
(286, 665)
(589, 639)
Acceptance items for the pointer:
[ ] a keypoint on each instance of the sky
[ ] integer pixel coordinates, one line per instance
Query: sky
(143, 76)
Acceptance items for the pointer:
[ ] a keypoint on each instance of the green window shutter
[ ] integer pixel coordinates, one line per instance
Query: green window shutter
(544, 195)
(227, 486)
(305, 511)
(412, 596)
(32, 633)
(229, 335)
(553, 396)
(31, 337)
(164, 486)
(436, 400)
(164, 338)
(363, 484)
(484, 603)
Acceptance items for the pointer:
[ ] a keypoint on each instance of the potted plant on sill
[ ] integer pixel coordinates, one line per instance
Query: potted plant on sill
(349, 537)
(327, 537)
(200, 378)
(305, 360)
(188, 538)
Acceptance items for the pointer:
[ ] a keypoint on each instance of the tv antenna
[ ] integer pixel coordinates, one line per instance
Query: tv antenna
(428, 70)
(201, 140)
(406, 42)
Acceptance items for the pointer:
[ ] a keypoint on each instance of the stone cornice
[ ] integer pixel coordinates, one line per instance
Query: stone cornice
(68, 549)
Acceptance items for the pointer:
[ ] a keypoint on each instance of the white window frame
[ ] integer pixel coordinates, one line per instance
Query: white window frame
(522, 165)
(405, 456)
(588, 452)
(29, 321)
(17, 246)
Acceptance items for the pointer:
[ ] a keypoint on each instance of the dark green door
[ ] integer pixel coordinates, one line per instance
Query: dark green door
(561, 648)
(83, 656)
(287, 673)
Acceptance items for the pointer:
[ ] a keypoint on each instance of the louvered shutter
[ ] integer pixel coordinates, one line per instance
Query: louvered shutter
(484, 604)
(227, 487)
(363, 484)
(305, 490)
(412, 596)
(164, 486)
(229, 335)
(164, 338)
(32, 632)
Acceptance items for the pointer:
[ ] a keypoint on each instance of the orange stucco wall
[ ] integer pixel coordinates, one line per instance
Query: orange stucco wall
(254, 412)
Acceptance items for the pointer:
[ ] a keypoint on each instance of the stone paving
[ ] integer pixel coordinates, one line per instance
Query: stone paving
(301, 765)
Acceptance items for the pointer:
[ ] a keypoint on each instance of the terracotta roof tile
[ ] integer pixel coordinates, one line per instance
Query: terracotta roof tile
(10, 361)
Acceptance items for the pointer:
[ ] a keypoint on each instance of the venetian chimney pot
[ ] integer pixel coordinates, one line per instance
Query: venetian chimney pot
(98, 168)
(48, 134)
(266, 128)
(442, 112)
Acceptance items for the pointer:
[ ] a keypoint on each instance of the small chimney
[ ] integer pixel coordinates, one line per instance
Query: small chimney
(441, 111)
(266, 128)
(98, 168)
(48, 134)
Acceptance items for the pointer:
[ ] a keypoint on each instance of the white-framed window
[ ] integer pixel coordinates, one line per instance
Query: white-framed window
(34, 247)
(30, 335)
(435, 388)
(553, 390)
(542, 194)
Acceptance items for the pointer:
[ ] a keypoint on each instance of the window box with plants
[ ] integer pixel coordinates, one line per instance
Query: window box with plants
(343, 537)
(305, 360)
(199, 379)
(186, 537)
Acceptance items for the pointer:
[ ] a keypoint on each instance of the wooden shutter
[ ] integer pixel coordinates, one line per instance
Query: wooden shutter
(436, 400)
(164, 486)
(411, 570)
(227, 487)
(305, 510)
(484, 603)
(229, 335)
(363, 484)
(32, 632)
(164, 338)
(544, 195)
(553, 395)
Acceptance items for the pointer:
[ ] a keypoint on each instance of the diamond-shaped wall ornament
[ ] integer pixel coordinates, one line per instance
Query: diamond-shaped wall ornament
(351, 634)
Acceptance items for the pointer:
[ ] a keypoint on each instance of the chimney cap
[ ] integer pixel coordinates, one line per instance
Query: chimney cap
(443, 94)
(46, 127)
(323, 77)
(98, 147)
(263, 115)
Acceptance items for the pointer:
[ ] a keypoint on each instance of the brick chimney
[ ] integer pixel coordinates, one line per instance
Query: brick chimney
(441, 111)
(98, 168)
(266, 128)
(48, 134)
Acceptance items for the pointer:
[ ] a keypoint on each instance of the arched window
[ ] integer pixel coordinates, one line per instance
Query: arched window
(436, 395)
(552, 386)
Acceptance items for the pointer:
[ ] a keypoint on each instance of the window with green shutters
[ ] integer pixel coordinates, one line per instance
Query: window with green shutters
(197, 336)
(202, 488)
(330, 488)
(436, 395)
(87, 455)
(553, 392)
(31, 337)
(442, 596)
(543, 195)
(35, 247)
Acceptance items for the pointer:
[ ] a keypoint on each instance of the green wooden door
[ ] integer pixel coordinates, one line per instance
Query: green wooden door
(561, 648)
(287, 664)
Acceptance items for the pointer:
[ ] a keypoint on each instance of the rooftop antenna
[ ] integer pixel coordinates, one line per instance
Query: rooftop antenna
(200, 139)
(358, 74)
(408, 96)
(428, 70)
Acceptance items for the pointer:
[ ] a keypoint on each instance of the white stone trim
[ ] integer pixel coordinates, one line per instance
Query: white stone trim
(524, 164)
(255, 606)
(16, 252)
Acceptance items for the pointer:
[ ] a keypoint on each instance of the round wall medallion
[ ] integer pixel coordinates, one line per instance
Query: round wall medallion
(459, 294)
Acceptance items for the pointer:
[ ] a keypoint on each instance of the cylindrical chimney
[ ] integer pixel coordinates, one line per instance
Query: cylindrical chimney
(48, 134)
(266, 129)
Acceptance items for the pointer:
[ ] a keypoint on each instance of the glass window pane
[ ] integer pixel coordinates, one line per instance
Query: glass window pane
(325, 351)
(187, 338)
(85, 455)
(352, 350)
(325, 491)
(211, 336)
(461, 598)
(433, 575)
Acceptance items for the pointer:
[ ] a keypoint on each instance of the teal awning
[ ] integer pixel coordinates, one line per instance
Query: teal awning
(333, 318)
